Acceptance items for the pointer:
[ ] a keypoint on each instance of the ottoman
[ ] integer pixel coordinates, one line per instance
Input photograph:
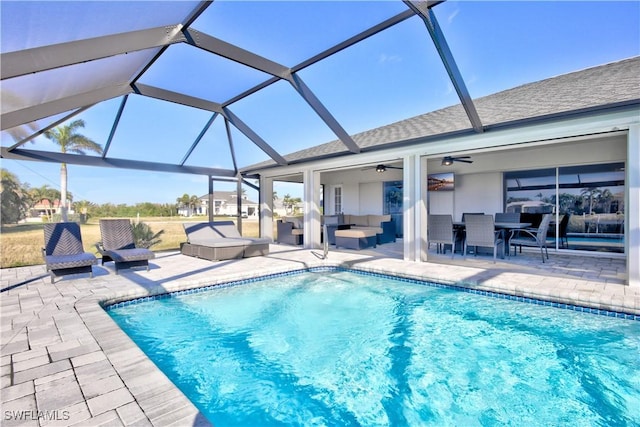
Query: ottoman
(355, 238)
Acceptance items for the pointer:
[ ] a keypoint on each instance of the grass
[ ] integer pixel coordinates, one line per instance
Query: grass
(21, 244)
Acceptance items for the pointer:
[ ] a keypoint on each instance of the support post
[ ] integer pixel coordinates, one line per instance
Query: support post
(632, 216)
(212, 206)
(239, 202)
(266, 208)
(311, 209)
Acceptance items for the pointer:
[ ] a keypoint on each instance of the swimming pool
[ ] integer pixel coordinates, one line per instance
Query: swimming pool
(343, 348)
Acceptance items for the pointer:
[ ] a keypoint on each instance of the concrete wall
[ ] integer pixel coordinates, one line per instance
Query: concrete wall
(361, 190)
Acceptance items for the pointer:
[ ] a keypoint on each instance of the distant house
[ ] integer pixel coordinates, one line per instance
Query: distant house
(225, 204)
(44, 208)
(280, 209)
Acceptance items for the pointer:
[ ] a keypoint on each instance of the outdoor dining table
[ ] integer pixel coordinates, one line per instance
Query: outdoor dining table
(500, 225)
(507, 226)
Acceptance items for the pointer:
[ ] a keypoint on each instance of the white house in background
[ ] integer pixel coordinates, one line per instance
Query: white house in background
(571, 140)
(225, 204)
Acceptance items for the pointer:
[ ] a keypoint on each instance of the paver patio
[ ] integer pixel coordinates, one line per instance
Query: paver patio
(65, 362)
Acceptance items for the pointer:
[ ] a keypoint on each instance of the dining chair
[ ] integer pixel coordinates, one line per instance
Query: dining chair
(467, 214)
(531, 237)
(480, 231)
(441, 232)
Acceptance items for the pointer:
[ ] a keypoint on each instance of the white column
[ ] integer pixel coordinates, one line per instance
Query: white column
(311, 209)
(422, 206)
(266, 208)
(410, 209)
(632, 217)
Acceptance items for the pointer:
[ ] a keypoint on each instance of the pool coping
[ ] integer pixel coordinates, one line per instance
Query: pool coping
(461, 287)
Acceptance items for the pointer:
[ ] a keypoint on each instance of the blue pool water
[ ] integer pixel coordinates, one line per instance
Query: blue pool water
(342, 348)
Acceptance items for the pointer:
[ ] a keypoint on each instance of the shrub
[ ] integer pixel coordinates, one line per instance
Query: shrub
(144, 236)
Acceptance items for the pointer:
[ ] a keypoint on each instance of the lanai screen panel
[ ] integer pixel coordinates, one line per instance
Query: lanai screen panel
(29, 24)
(201, 74)
(300, 30)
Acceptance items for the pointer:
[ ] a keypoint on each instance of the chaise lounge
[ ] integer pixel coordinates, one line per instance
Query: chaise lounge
(220, 240)
(118, 245)
(63, 251)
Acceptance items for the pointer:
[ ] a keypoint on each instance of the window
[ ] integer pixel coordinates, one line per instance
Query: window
(588, 200)
(337, 200)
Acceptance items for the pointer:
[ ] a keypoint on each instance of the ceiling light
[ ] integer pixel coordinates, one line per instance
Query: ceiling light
(447, 161)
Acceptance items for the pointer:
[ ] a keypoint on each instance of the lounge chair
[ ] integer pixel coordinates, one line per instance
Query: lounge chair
(118, 245)
(220, 240)
(441, 232)
(63, 251)
(531, 237)
(480, 231)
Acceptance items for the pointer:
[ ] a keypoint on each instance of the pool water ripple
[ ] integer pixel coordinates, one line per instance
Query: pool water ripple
(339, 348)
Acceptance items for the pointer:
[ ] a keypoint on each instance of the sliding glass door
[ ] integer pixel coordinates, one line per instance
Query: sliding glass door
(587, 200)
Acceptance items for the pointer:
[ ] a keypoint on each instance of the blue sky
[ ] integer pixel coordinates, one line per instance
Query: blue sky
(389, 77)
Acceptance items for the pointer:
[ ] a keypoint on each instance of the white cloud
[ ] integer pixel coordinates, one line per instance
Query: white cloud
(453, 15)
(384, 58)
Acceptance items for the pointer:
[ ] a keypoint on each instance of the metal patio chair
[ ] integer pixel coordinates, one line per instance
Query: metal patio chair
(480, 232)
(532, 237)
(441, 232)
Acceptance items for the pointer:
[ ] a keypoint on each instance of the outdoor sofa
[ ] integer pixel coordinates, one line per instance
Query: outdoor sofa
(290, 230)
(220, 240)
(382, 225)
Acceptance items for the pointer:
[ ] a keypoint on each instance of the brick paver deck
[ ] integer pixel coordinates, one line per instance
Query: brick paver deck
(65, 362)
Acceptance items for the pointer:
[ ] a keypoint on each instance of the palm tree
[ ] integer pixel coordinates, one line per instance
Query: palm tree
(604, 199)
(183, 200)
(44, 192)
(592, 194)
(13, 197)
(194, 202)
(70, 142)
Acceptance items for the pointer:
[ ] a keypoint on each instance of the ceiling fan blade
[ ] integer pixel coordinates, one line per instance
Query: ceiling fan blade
(462, 160)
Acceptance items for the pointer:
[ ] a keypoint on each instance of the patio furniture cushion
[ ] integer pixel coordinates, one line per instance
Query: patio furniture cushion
(220, 240)
(356, 238)
(382, 224)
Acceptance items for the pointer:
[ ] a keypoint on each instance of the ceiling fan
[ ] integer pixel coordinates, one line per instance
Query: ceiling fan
(448, 160)
(381, 168)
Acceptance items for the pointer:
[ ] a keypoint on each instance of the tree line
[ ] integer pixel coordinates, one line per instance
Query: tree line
(19, 198)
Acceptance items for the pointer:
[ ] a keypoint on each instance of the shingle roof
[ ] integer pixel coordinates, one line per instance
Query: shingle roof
(603, 86)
